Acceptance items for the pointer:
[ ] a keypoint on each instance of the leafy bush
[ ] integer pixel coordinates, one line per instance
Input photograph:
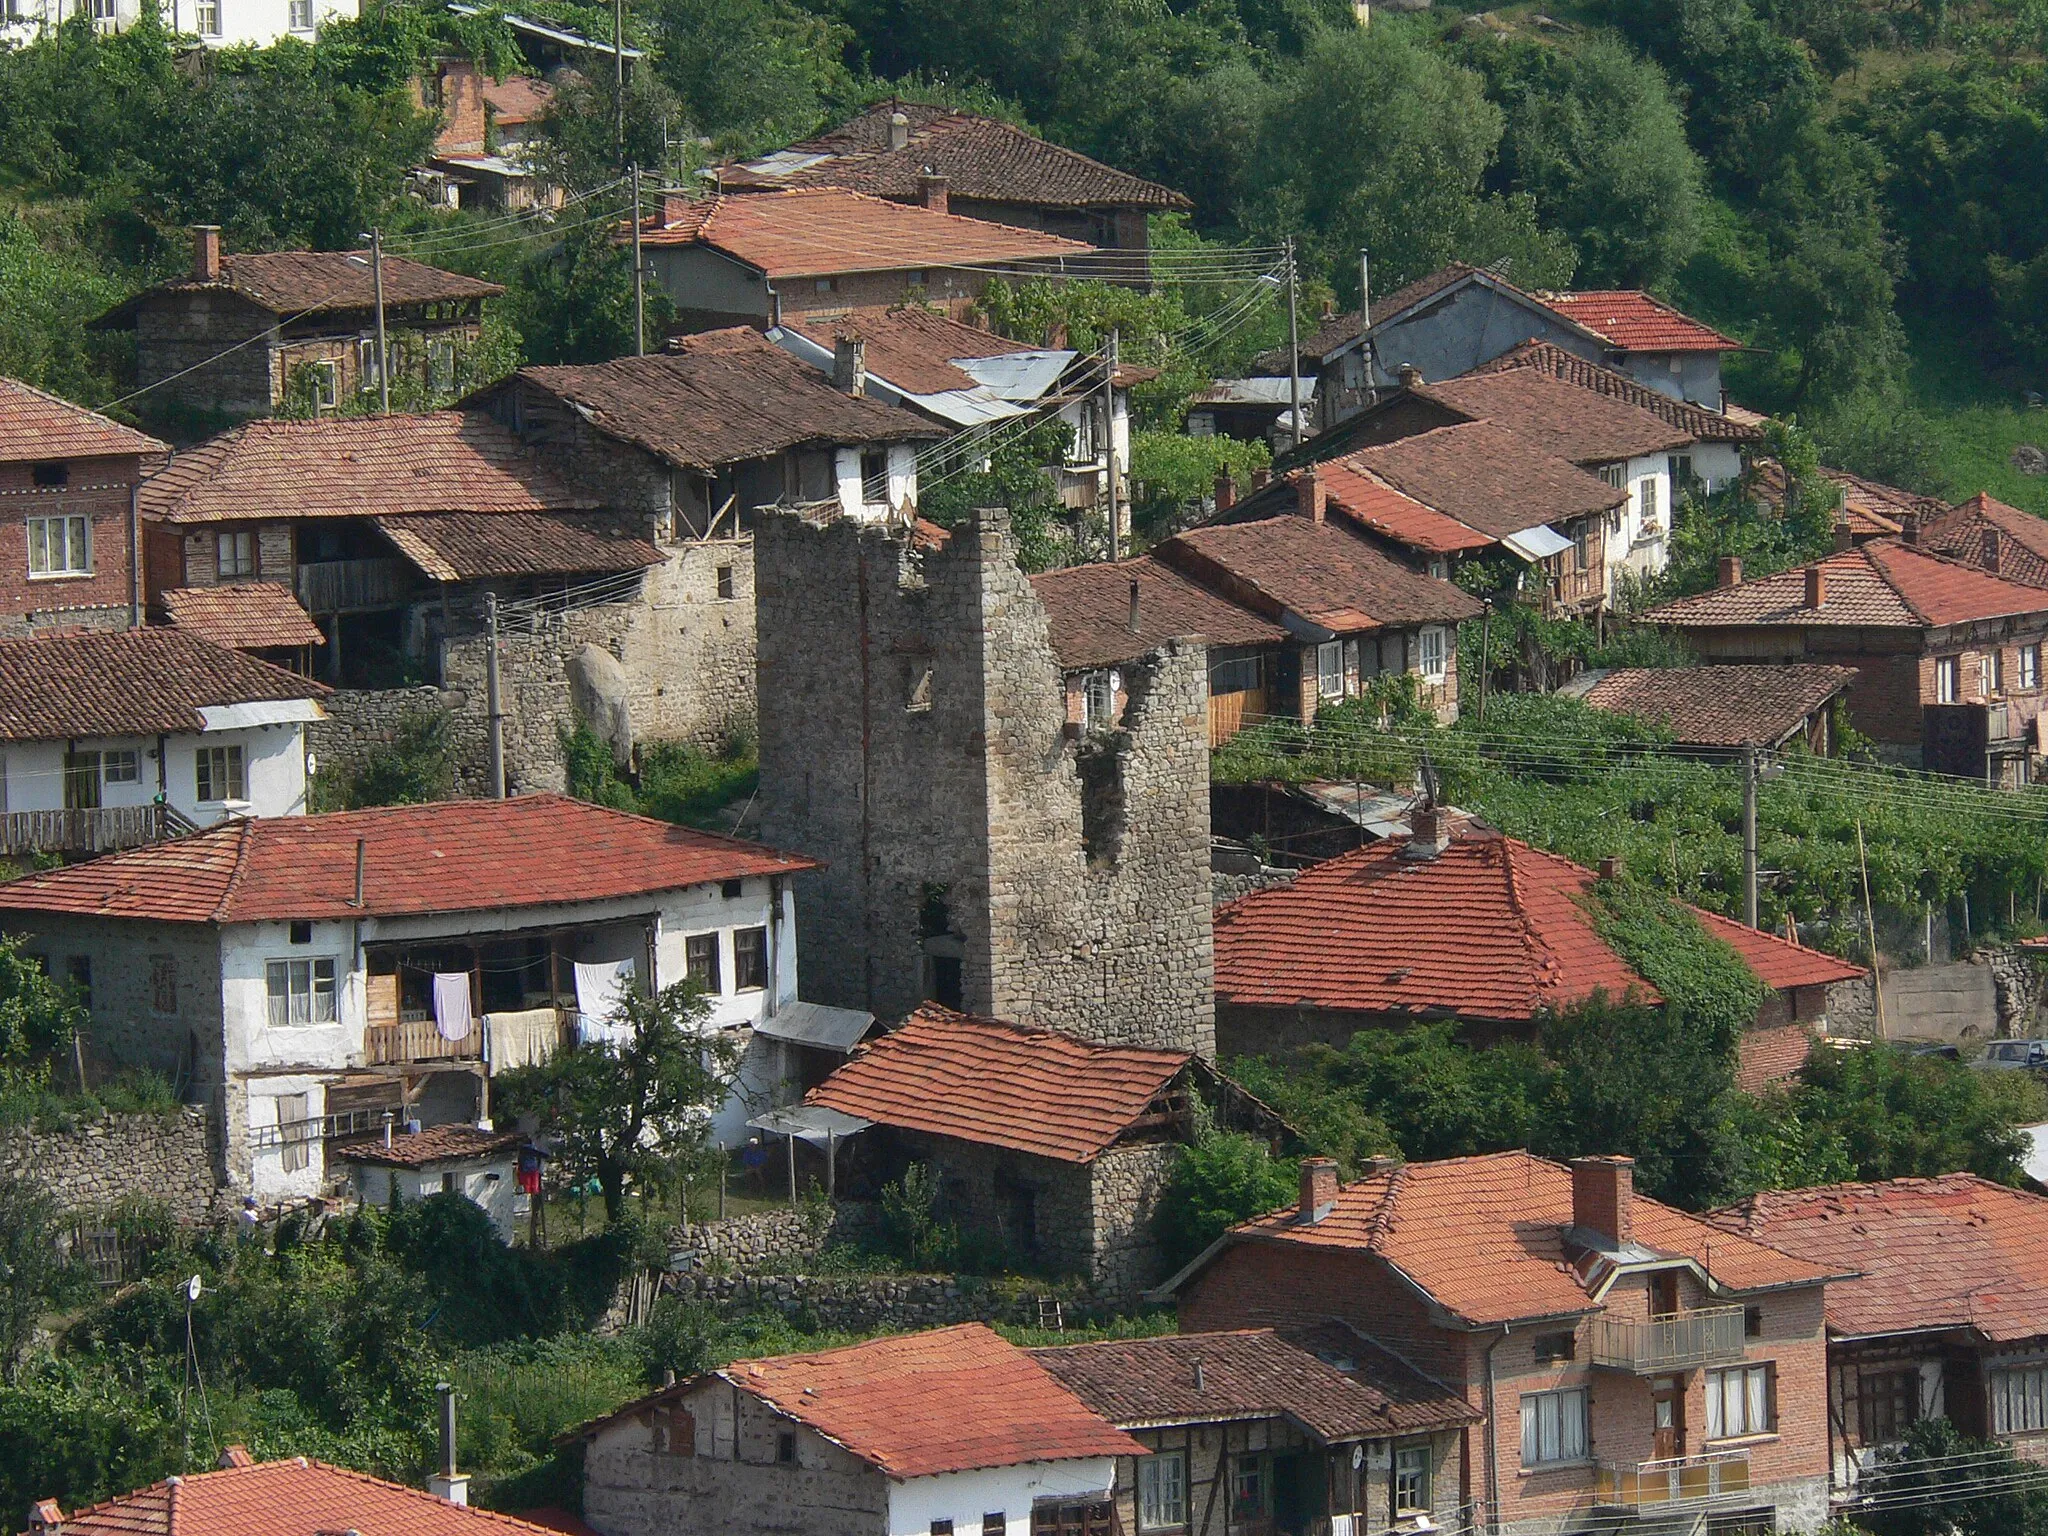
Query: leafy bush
(677, 783)
(415, 767)
(1225, 1178)
(911, 1228)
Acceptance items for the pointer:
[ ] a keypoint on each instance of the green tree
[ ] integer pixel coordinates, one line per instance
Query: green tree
(631, 1110)
(38, 1016)
(35, 1276)
(1223, 1179)
(1940, 1482)
(751, 74)
(1899, 1116)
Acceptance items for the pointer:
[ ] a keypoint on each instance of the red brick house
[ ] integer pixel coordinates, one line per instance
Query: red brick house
(1471, 926)
(1631, 1361)
(1945, 1313)
(1948, 654)
(69, 534)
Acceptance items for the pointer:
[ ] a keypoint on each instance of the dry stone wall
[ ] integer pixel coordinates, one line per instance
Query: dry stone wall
(903, 1303)
(164, 1158)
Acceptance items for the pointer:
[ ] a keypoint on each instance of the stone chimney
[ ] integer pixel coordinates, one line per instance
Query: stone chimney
(1312, 497)
(1603, 1192)
(1409, 375)
(1994, 547)
(1318, 1189)
(899, 130)
(1845, 537)
(1429, 834)
(1226, 491)
(675, 207)
(850, 365)
(46, 1518)
(1816, 586)
(1261, 478)
(931, 190)
(1729, 573)
(1909, 527)
(206, 252)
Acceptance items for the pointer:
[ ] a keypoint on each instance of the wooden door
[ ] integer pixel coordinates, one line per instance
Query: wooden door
(1667, 1417)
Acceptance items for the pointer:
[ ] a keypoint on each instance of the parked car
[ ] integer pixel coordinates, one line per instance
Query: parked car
(2013, 1056)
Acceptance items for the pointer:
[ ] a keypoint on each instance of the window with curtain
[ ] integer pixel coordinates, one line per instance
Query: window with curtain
(2019, 1400)
(1162, 1490)
(300, 991)
(293, 1111)
(219, 775)
(59, 546)
(1739, 1402)
(1553, 1427)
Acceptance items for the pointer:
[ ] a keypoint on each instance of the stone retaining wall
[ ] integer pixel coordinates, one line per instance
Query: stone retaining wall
(857, 1303)
(166, 1158)
(750, 1241)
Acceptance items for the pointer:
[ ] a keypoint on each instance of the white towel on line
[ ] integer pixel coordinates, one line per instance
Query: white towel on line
(453, 1018)
(598, 988)
(522, 1039)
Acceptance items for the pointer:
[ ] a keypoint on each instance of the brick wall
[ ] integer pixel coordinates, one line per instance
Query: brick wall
(99, 489)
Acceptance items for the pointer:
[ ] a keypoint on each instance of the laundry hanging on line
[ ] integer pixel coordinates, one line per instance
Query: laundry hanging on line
(453, 1015)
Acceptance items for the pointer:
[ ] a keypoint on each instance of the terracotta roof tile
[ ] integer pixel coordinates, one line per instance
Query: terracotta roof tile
(301, 282)
(1720, 706)
(910, 346)
(243, 616)
(1872, 508)
(463, 546)
(358, 466)
(1355, 492)
(1961, 531)
(1088, 608)
(999, 1084)
(825, 230)
(1486, 1237)
(517, 99)
(1332, 333)
(450, 856)
(1634, 322)
(1490, 928)
(1331, 1381)
(1584, 426)
(35, 425)
(724, 396)
(1696, 421)
(1319, 571)
(1885, 583)
(1486, 476)
(129, 682)
(980, 158)
(286, 1498)
(1950, 1252)
(435, 1144)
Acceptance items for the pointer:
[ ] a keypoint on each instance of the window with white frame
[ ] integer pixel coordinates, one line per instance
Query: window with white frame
(1739, 1402)
(206, 17)
(2030, 667)
(1991, 673)
(1330, 670)
(103, 10)
(1162, 1490)
(235, 554)
(440, 352)
(300, 991)
(326, 384)
(1553, 1427)
(1647, 500)
(219, 775)
(301, 15)
(1615, 475)
(1098, 700)
(59, 546)
(2019, 1400)
(366, 363)
(1431, 651)
(1946, 680)
(1411, 1480)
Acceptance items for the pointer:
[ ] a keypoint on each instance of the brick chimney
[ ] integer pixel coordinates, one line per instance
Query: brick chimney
(850, 365)
(931, 190)
(1603, 1190)
(1226, 491)
(1312, 497)
(1318, 1189)
(1409, 375)
(1429, 834)
(899, 130)
(1729, 573)
(1845, 537)
(1909, 527)
(1610, 868)
(1994, 547)
(206, 252)
(235, 1456)
(1816, 586)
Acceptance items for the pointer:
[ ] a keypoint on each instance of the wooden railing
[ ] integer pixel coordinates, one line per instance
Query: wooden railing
(350, 586)
(98, 831)
(389, 1045)
(1711, 1336)
(1229, 711)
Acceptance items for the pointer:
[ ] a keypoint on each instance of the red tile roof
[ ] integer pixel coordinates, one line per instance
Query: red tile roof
(1700, 423)
(999, 1084)
(980, 158)
(824, 231)
(2022, 538)
(358, 466)
(1486, 1237)
(309, 282)
(129, 682)
(464, 546)
(1635, 322)
(1720, 706)
(435, 1144)
(243, 616)
(1359, 494)
(35, 425)
(1487, 477)
(1584, 426)
(1088, 611)
(1333, 1382)
(1884, 584)
(451, 856)
(1952, 1252)
(1872, 508)
(721, 397)
(1319, 571)
(1491, 928)
(910, 346)
(296, 1497)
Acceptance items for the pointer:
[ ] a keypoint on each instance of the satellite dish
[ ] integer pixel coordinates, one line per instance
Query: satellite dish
(192, 1289)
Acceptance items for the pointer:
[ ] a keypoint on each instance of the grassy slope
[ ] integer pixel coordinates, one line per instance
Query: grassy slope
(1978, 422)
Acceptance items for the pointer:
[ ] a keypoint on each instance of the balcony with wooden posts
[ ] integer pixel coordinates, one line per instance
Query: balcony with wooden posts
(106, 829)
(1679, 1342)
(353, 586)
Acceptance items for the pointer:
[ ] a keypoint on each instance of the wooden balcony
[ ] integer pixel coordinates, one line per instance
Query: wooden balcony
(1229, 712)
(414, 1039)
(106, 830)
(1674, 1482)
(1711, 1336)
(352, 586)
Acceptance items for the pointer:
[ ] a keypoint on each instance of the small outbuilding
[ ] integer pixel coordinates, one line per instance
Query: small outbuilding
(464, 1160)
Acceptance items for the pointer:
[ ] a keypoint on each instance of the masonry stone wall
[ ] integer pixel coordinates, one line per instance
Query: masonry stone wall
(899, 1303)
(164, 1158)
(748, 1242)
(1127, 1183)
(913, 736)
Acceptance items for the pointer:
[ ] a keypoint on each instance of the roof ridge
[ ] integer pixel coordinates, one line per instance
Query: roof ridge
(1545, 956)
(1383, 1218)
(244, 833)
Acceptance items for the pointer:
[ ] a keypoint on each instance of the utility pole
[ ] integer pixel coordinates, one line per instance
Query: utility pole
(639, 275)
(1116, 515)
(619, 80)
(1293, 345)
(1485, 651)
(492, 701)
(383, 355)
(1749, 777)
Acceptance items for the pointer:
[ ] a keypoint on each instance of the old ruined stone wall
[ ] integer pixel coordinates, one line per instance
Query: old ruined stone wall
(165, 1158)
(1127, 1183)
(900, 1303)
(913, 737)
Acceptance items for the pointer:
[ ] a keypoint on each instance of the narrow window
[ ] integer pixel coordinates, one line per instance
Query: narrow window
(947, 985)
(1646, 498)
(785, 1448)
(749, 959)
(163, 984)
(295, 1130)
(2030, 668)
(725, 581)
(1411, 1480)
(1432, 651)
(874, 475)
(1946, 680)
(81, 781)
(326, 385)
(1330, 670)
(1250, 1494)
(80, 969)
(1752, 1322)
(1991, 673)
(1098, 700)
(700, 961)
(1163, 1491)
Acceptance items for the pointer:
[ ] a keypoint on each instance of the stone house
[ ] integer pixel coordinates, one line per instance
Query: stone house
(1717, 712)
(1943, 1314)
(1459, 922)
(1948, 654)
(1291, 1433)
(977, 851)
(767, 257)
(1052, 1148)
(479, 1165)
(109, 740)
(69, 538)
(239, 333)
(954, 1429)
(991, 170)
(302, 975)
(1630, 1362)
